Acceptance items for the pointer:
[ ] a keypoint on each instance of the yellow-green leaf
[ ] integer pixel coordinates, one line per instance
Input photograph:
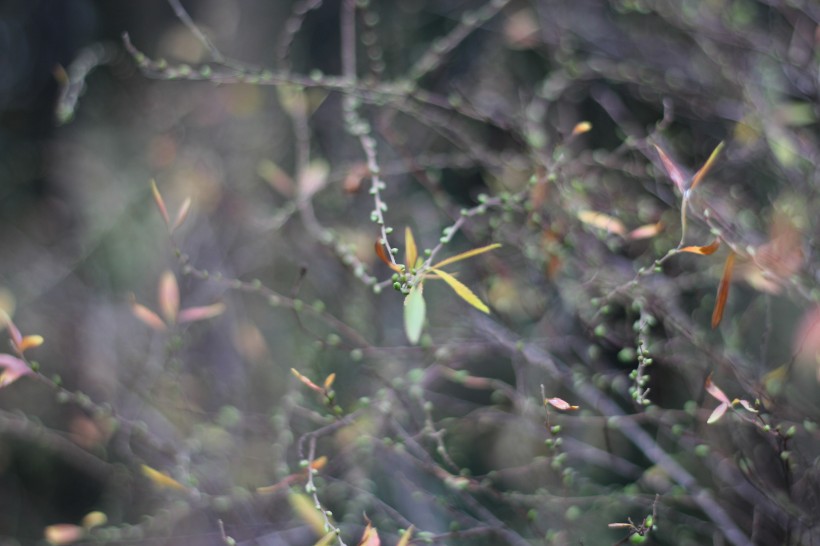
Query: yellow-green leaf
(705, 250)
(706, 166)
(411, 253)
(161, 478)
(414, 312)
(405, 537)
(305, 509)
(465, 255)
(461, 289)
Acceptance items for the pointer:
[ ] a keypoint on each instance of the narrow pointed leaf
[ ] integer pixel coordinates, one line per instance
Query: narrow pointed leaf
(160, 202)
(723, 289)
(463, 291)
(465, 255)
(169, 297)
(193, 314)
(674, 172)
(29, 342)
(645, 232)
(405, 537)
(414, 313)
(161, 478)
(182, 214)
(706, 166)
(717, 414)
(411, 253)
(382, 254)
(147, 316)
(602, 221)
(705, 250)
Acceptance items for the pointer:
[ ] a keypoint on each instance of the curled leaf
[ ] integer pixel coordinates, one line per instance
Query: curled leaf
(462, 290)
(161, 479)
(602, 221)
(405, 537)
(723, 289)
(705, 250)
(147, 316)
(182, 214)
(415, 310)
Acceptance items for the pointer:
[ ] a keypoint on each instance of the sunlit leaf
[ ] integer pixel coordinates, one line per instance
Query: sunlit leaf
(705, 250)
(405, 537)
(465, 255)
(602, 221)
(581, 128)
(370, 537)
(63, 533)
(462, 290)
(182, 214)
(161, 478)
(306, 381)
(307, 512)
(13, 369)
(382, 254)
(717, 414)
(411, 253)
(715, 391)
(723, 289)
(702, 172)
(560, 404)
(160, 202)
(29, 342)
(147, 316)
(169, 297)
(276, 177)
(193, 314)
(414, 313)
(674, 172)
(645, 232)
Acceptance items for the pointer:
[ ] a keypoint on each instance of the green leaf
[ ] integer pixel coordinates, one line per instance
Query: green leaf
(461, 289)
(414, 311)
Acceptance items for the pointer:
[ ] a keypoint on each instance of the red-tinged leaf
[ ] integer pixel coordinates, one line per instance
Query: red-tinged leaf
(382, 254)
(723, 289)
(329, 381)
(405, 537)
(645, 232)
(147, 316)
(465, 255)
(560, 404)
(602, 221)
(411, 253)
(63, 533)
(169, 297)
(310, 384)
(706, 166)
(160, 202)
(319, 463)
(674, 172)
(29, 342)
(370, 537)
(717, 414)
(161, 479)
(182, 214)
(13, 369)
(705, 250)
(462, 290)
(715, 391)
(193, 314)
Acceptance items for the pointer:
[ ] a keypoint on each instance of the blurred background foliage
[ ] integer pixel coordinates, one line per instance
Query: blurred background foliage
(449, 436)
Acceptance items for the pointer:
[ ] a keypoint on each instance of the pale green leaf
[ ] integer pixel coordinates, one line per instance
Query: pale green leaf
(414, 312)
(461, 289)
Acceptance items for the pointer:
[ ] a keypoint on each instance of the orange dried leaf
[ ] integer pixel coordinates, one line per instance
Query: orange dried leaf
(465, 255)
(169, 297)
(723, 289)
(29, 342)
(161, 478)
(581, 128)
(382, 254)
(310, 384)
(405, 537)
(160, 202)
(674, 172)
(706, 250)
(706, 166)
(602, 221)
(411, 253)
(462, 290)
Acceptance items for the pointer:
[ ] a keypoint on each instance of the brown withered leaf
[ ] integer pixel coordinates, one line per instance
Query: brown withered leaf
(705, 250)
(723, 289)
